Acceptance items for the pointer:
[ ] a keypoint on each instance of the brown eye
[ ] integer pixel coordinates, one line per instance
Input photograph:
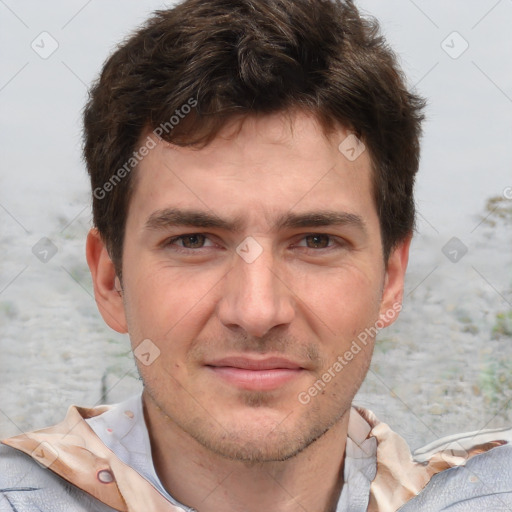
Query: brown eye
(195, 241)
(317, 241)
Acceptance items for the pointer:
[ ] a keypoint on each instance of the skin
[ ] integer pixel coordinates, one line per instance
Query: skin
(219, 445)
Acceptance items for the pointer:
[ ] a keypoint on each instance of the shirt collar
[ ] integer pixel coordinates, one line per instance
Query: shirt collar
(106, 452)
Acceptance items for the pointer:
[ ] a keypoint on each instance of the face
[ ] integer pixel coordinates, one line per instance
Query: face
(252, 265)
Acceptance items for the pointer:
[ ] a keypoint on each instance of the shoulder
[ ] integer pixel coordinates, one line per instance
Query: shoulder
(483, 483)
(25, 486)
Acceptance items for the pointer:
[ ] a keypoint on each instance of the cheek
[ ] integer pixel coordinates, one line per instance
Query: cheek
(345, 299)
(162, 302)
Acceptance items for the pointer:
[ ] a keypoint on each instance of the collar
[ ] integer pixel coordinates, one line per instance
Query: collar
(380, 472)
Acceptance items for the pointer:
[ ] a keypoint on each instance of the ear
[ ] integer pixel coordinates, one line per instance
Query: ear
(107, 288)
(393, 291)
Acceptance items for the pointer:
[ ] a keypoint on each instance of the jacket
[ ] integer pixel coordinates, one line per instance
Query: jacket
(68, 468)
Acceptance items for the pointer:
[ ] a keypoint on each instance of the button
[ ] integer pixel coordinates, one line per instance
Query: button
(105, 476)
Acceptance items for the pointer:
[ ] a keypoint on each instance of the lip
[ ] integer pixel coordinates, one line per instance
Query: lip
(258, 374)
(252, 363)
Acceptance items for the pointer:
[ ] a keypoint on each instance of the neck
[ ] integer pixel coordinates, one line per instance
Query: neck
(207, 482)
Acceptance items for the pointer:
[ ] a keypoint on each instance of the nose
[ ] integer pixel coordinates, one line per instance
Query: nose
(256, 297)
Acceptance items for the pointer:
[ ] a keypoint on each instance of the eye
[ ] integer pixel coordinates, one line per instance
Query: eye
(316, 241)
(190, 241)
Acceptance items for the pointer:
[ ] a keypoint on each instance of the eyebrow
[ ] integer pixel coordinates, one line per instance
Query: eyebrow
(173, 217)
(170, 217)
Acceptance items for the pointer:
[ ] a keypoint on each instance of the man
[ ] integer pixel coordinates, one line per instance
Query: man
(252, 166)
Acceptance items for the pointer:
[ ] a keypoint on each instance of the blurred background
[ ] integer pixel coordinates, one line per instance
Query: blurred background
(444, 367)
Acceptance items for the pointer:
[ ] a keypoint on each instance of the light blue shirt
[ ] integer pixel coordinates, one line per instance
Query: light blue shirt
(123, 430)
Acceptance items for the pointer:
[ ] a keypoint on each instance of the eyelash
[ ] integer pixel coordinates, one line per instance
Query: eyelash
(332, 240)
(181, 237)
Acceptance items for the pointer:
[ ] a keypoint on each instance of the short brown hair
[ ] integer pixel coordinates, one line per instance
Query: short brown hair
(226, 58)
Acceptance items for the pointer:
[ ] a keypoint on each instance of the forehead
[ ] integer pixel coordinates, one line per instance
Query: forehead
(257, 169)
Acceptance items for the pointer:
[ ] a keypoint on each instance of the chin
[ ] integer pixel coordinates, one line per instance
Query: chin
(260, 428)
(260, 440)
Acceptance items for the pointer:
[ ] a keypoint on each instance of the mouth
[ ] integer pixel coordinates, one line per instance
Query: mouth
(256, 374)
